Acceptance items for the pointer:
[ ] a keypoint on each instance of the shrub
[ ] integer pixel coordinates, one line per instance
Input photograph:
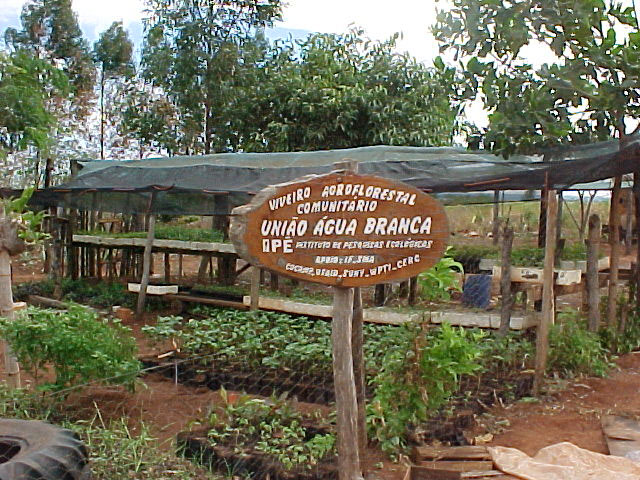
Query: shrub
(436, 282)
(78, 345)
(418, 379)
(573, 350)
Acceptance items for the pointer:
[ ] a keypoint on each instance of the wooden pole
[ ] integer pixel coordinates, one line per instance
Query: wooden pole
(357, 349)
(546, 319)
(628, 228)
(636, 195)
(146, 265)
(255, 288)
(344, 383)
(11, 365)
(593, 287)
(496, 217)
(614, 242)
(167, 267)
(505, 280)
(413, 290)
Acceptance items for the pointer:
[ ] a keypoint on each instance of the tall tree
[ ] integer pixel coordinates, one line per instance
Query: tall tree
(337, 91)
(190, 48)
(26, 84)
(113, 52)
(50, 31)
(589, 90)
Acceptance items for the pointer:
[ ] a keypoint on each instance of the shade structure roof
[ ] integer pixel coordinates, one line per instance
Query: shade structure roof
(211, 184)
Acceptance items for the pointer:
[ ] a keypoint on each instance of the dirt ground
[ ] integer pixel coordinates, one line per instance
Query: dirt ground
(571, 412)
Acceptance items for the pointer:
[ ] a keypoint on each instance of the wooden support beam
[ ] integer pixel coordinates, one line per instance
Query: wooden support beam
(495, 224)
(357, 348)
(592, 282)
(413, 290)
(146, 267)
(505, 281)
(614, 259)
(344, 382)
(255, 287)
(547, 318)
(167, 267)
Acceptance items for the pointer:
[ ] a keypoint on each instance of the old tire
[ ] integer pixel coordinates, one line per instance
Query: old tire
(33, 450)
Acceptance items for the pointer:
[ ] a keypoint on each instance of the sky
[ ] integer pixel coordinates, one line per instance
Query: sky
(379, 18)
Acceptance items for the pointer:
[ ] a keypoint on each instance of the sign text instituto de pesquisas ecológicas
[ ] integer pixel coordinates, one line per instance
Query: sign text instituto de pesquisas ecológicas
(341, 229)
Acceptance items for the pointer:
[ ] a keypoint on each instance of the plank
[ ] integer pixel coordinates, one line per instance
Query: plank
(459, 465)
(157, 244)
(423, 473)
(207, 301)
(536, 275)
(469, 452)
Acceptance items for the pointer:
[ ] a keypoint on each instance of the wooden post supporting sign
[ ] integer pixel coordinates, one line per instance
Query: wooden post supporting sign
(347, 231)
(547, 317)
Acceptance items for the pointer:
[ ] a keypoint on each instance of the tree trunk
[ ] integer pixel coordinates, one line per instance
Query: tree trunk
(102, 115)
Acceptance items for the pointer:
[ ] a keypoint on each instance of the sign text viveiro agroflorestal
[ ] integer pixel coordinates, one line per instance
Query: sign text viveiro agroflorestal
(341, 229)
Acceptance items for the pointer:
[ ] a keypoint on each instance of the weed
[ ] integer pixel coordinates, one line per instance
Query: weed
(76, 344)
(573, 350)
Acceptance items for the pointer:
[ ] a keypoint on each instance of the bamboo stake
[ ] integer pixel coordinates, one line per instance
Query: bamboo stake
(546, 319)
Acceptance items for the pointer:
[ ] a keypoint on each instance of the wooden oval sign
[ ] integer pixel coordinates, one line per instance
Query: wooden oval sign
(341, 229)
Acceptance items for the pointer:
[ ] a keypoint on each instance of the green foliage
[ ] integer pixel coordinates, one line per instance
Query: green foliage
(596, 47)
(114, 51)
(118, 453)
(29, 222)
(467, 254)
(191, 50)
(267, 340)
(573, 350)
(272, 427)
(100, 294)
(414, 382)
(437, 282)
(77, 345)
(26, 86)
(50, 30)
(337, 91)
(167, 232)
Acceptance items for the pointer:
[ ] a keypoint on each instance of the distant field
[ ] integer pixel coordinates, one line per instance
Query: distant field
(523, 216)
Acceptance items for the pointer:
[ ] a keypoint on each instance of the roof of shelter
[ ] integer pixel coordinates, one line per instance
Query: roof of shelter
(125, 186)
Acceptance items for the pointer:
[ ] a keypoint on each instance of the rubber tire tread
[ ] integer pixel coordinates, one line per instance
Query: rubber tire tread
(48, 452)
